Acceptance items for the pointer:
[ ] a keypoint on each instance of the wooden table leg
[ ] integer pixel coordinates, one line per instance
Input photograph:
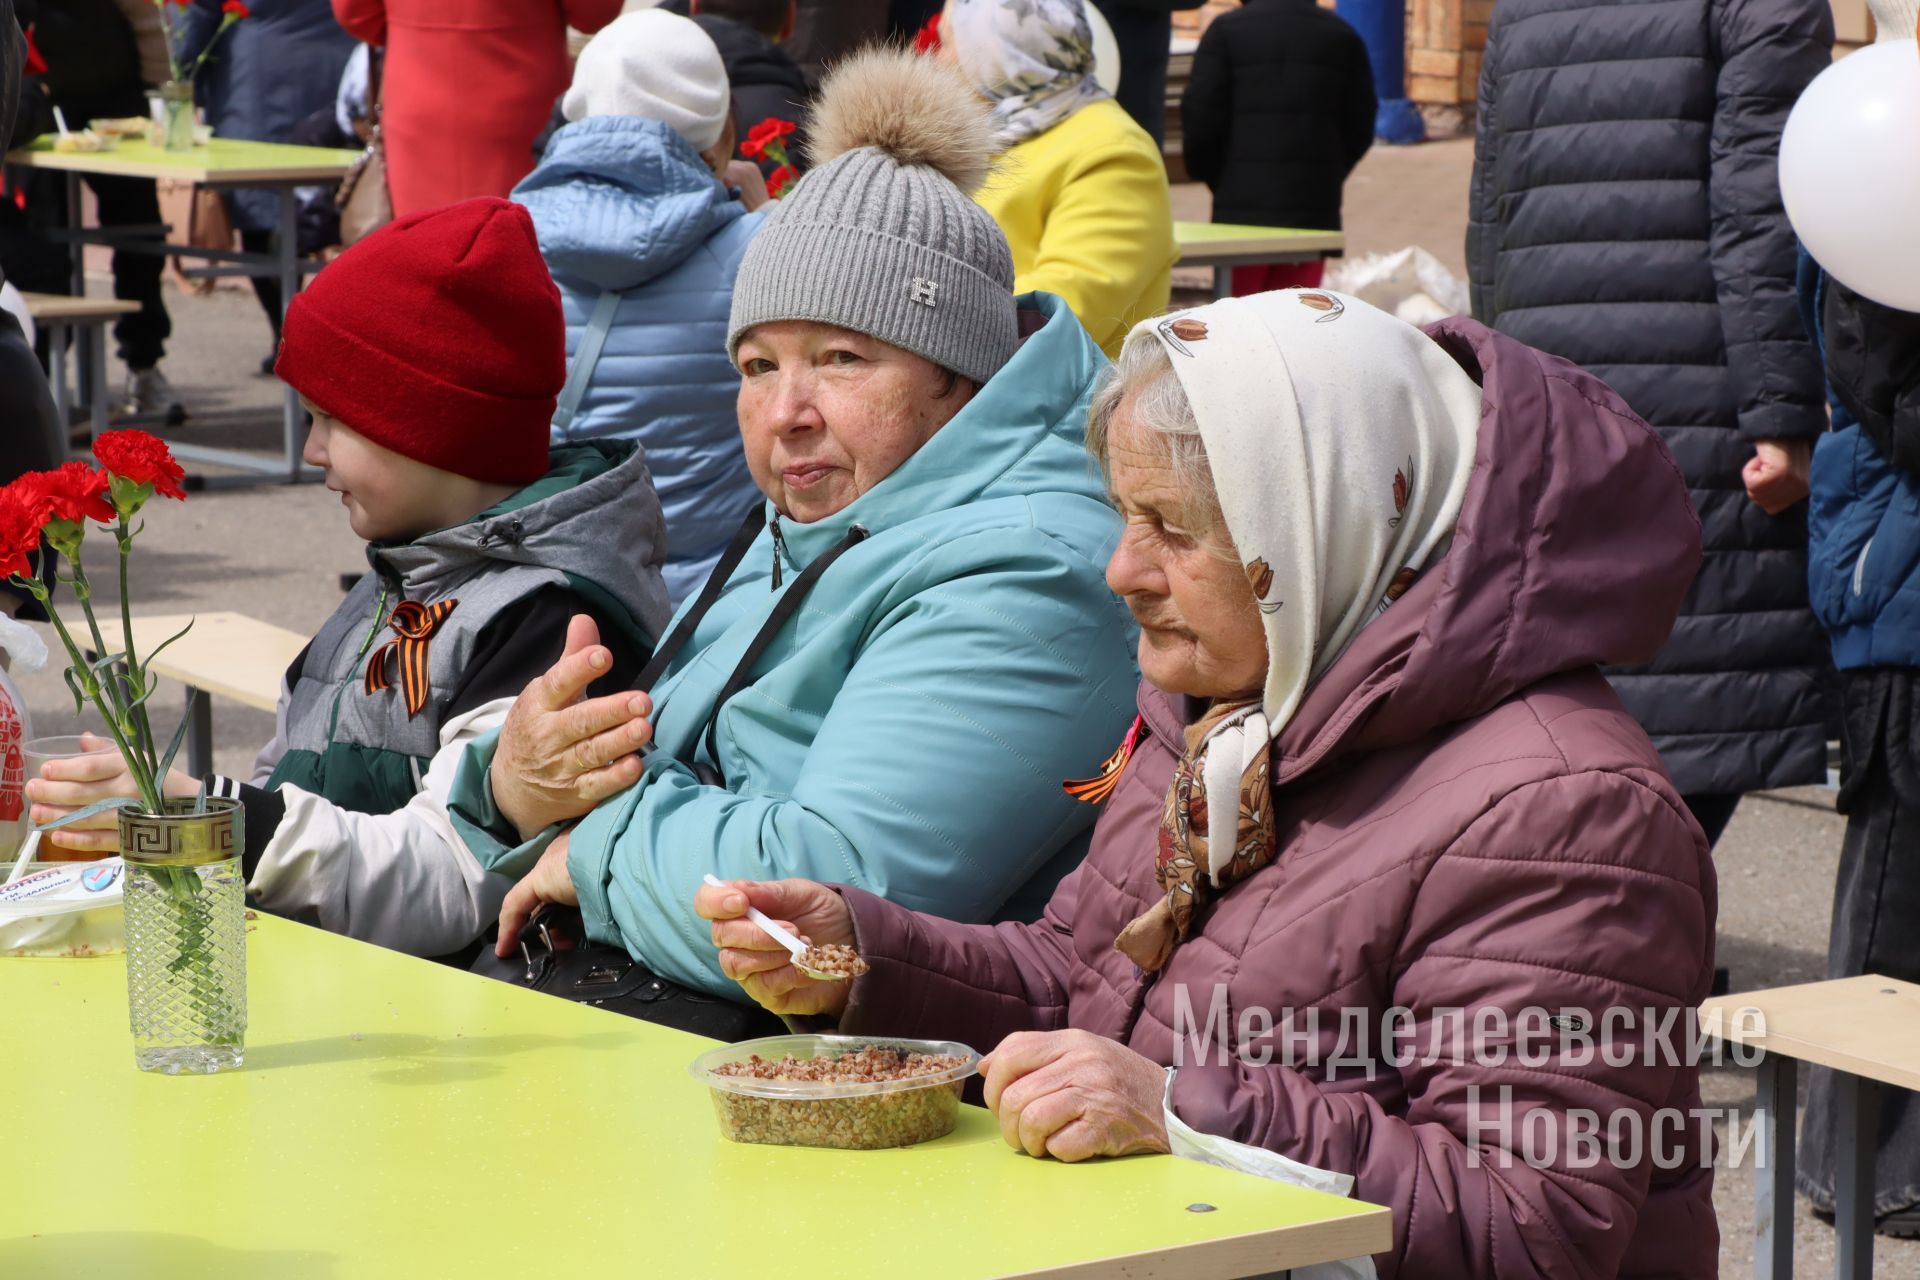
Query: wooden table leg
(1773, 1113)
(1853, 1190)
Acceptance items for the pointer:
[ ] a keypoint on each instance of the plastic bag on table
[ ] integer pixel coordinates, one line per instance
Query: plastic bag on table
(64, 909)
(1225, 1153)
(1411, 283)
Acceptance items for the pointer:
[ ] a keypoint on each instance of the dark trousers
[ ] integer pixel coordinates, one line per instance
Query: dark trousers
(265, 288)
(1876, 902)
(132, 202)
(1143, 36)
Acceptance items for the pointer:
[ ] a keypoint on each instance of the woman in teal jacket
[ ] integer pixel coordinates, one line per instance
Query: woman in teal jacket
(916, 650)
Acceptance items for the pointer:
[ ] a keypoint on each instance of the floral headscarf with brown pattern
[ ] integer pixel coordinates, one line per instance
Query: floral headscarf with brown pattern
(1340, 440)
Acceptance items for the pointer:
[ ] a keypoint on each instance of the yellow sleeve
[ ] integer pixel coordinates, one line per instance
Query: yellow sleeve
(1106, 245)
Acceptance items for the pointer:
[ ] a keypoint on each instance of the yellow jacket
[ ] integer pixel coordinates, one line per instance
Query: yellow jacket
(1086, 210)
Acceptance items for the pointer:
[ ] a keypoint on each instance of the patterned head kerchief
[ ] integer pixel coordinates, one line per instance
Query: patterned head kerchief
(1340, 440)
(1033, 58)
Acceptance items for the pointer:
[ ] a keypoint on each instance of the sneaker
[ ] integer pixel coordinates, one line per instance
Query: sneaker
(1901, 1224)
(150, 394)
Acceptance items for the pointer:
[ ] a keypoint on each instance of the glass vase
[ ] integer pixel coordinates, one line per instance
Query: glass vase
(186, 936)
(177, 116)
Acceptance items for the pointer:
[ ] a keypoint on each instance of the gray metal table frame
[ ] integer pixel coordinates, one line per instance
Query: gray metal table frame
(285, 264)
(1224, 263)
(1773, 1112)
(91, 363)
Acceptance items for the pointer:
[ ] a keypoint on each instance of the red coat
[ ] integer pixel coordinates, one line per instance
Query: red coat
(1468, 820)
(468, 86)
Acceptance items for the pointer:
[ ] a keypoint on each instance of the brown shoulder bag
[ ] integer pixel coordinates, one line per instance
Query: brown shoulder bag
(365, 203)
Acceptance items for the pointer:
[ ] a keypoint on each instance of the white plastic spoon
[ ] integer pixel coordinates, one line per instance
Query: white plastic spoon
(27, 847)
(796, 947)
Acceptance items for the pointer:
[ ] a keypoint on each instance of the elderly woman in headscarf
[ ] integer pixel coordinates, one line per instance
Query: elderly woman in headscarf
(1375, 571)
(1080, 189)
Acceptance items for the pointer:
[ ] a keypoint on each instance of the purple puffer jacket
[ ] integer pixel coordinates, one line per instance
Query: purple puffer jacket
(1468, 821)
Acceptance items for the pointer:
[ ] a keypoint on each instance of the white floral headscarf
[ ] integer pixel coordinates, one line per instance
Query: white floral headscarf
(1033, 58)
(1341, 441)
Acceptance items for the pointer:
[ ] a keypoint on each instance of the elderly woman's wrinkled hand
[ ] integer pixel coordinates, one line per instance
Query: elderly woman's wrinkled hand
(561, 753)
(750, 956)
(1074, 1095)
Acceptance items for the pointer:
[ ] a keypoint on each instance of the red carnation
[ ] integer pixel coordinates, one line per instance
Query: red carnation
(235, 11)
(142, 459)
(75, 491)
(777, 180)
(24, 509)
(768, 132)
(928, 38)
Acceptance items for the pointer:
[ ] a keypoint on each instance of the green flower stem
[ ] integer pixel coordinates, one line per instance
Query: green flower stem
(166, 26)
(83, 592)
(136, 673)
(142, 775)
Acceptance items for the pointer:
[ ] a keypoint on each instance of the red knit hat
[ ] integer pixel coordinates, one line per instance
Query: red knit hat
(439, 336)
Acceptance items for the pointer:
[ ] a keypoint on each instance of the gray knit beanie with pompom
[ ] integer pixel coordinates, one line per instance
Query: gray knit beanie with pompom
(883, 236)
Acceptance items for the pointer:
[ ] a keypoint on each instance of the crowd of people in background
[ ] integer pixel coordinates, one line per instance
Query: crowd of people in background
(735, 358)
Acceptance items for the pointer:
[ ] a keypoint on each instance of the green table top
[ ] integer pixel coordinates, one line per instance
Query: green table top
(398, 1118)
(229, 161)
(1225, 244)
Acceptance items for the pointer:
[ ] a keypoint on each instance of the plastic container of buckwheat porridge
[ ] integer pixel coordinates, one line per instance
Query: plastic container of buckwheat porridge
(855, 1093)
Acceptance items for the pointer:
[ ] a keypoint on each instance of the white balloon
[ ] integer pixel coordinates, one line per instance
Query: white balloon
(1850, 172)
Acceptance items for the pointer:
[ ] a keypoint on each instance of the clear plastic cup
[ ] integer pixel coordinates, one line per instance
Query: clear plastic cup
(61, 746)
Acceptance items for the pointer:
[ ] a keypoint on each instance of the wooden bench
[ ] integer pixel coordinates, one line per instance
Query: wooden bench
(88, 319)
(1223, 246)
(1867, 1030)
(228, 654)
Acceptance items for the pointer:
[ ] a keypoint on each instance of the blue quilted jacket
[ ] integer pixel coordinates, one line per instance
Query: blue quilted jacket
(624, 203)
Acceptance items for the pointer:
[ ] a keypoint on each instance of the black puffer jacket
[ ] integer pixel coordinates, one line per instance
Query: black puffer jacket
(93, 58)
(1278, 110)
(1626, 215)
(765, 82)
(32, 437)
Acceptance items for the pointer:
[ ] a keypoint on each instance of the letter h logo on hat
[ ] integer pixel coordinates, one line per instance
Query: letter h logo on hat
(924, 291)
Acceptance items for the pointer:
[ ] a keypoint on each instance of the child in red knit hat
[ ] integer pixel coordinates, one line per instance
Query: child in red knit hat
(431, 355)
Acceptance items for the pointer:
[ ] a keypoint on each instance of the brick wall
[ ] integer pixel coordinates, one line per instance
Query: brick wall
(1444, 43)
(1444, 40)
(1194, 21)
